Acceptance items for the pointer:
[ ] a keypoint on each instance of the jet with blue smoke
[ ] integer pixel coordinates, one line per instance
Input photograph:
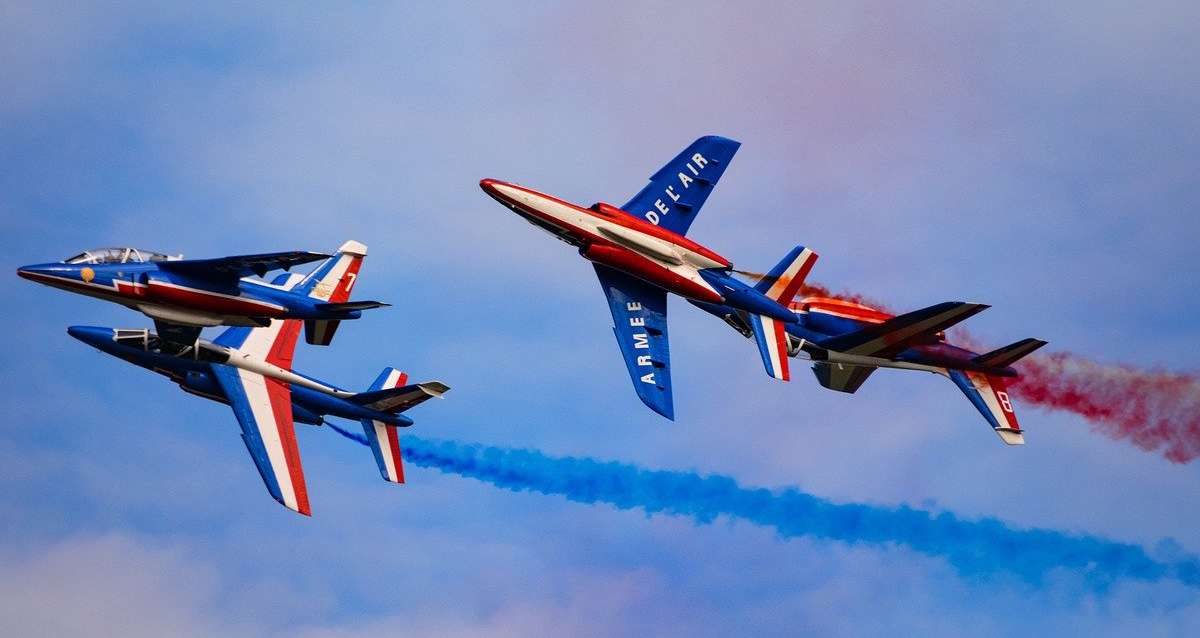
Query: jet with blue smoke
(975, 548)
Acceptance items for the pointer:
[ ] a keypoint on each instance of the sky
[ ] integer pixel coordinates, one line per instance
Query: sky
(1039, 157)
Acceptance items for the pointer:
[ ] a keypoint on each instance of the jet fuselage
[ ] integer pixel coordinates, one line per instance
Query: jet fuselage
(178, 298)
(607, 235)
(190, 368)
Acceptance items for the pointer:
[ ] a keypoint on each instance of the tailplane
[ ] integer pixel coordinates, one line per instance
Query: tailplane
(989, 395)
(1010, 354)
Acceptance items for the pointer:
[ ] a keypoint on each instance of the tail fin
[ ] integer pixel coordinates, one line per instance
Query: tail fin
(334, 278)
(331, 282)
(385, 438)
(1010, 354)
(989, 395)
(785, 279)
(771, 336)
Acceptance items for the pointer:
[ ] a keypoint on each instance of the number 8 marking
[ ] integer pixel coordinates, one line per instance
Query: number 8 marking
(1004, 402)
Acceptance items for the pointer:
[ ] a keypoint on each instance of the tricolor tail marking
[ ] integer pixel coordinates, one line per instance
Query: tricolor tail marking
(334, 279)
(383, 438)
(785, 279)
(771, 336)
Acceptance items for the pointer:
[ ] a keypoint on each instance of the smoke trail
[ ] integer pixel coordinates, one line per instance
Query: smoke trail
(1154, 410)
(978, 547)
(1157, 411)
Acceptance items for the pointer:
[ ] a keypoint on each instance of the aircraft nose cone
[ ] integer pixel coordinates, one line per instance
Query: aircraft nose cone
(496, 189)
(36, 272)
(90, 335)
(29, 272)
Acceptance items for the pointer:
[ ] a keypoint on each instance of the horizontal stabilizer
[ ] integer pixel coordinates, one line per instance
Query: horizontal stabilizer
(842, 377)
(225, 268)
(397, 400)
(771, 337)
(1010, 354)
(903, 331)
(350, 305)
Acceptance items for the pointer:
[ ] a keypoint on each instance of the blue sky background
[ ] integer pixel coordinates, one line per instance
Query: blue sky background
(1039, 158)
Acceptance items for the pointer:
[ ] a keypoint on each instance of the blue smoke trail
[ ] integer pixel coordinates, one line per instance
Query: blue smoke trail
(974, 547)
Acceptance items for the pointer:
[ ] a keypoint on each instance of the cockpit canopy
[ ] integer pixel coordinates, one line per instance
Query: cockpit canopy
(118, 256)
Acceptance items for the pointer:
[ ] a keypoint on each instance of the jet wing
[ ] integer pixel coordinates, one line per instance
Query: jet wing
(899, 333)
(639, 312)
(233, 268)
(676, 192)
(263, 407)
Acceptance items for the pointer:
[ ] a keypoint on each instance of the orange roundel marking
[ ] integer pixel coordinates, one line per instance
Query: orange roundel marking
(87, 274)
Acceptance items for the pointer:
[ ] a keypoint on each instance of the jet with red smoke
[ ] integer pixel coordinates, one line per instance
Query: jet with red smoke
(847, 341)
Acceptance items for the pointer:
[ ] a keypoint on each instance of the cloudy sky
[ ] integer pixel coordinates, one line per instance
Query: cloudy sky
(1042, 159)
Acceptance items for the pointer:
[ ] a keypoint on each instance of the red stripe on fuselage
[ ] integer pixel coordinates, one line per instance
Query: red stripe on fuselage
(216, 303)
(630, 262)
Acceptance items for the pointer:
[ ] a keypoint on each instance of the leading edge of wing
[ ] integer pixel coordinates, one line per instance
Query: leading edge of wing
(238, 266)
(639, 312)
(263, 407)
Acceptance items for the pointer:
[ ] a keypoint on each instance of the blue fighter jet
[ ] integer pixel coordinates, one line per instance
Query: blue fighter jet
(250, 369)
(847, 341)
(185, 295)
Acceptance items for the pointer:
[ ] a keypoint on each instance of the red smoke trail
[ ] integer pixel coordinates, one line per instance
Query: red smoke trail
(1158, 411)
(1155, 410)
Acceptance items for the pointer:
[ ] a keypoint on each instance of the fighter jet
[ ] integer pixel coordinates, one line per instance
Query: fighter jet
(185, 295)
(640, 254)
(847, 341)
(250, 369)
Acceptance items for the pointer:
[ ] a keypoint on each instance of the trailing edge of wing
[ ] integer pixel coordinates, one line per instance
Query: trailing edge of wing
(639, 312)
(900, 332)
(263, 407)
(224, 268)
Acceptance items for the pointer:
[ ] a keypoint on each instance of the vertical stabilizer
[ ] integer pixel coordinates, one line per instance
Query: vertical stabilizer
(331, 282)
(989, 395)
(384, 438)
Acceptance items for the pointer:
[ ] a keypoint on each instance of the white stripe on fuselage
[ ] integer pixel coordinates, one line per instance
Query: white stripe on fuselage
(679, 260)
